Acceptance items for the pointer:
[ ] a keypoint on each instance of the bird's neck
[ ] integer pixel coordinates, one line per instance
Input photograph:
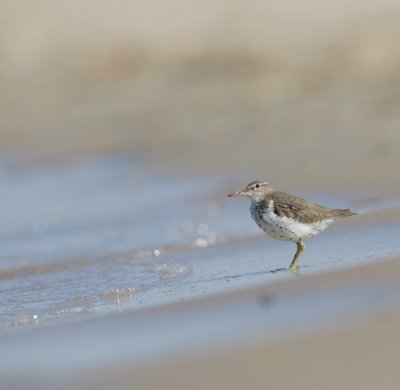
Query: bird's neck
(257, 199)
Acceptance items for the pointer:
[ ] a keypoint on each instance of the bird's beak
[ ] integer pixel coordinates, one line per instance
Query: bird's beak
(238, 193)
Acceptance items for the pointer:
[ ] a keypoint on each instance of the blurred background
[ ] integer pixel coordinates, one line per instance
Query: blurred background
(300, 93)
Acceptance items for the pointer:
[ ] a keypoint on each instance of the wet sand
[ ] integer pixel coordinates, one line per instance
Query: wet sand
(330, 330)
(355, 349)
(111, 298)
(96, 295)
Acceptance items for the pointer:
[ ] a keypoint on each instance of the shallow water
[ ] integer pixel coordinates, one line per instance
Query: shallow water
(111, 234)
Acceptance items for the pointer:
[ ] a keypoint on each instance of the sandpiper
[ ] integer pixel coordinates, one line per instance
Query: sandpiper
(287, 217)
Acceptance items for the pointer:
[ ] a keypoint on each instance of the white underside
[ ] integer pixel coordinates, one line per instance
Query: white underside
(284, 228)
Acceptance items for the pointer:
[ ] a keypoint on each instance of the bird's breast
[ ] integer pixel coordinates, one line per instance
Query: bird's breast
(285, 228)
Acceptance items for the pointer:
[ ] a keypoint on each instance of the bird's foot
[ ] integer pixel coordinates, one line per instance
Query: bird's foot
(293, 269)
(278, 270)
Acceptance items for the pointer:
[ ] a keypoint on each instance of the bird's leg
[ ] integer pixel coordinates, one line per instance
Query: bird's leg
(293, 265)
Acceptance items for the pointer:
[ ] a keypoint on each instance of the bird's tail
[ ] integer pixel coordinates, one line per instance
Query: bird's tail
(344, 212)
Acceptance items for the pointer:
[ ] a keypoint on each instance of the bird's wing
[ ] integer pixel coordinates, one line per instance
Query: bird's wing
(297, 208)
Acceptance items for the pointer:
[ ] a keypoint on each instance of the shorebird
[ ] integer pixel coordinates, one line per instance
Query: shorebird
(287, 217)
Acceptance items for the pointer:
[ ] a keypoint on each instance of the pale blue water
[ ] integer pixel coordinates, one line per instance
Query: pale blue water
(112, 234)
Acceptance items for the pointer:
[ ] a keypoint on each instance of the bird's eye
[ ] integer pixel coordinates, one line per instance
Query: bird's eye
(257, 186)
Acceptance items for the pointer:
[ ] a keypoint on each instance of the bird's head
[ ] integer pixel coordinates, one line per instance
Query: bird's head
(256, 190)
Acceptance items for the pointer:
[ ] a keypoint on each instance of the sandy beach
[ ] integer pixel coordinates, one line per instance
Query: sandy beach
(297, 334)
(124, 126)
(357, 349)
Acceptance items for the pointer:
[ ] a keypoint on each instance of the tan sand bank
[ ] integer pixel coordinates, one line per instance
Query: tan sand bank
(305, 93)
